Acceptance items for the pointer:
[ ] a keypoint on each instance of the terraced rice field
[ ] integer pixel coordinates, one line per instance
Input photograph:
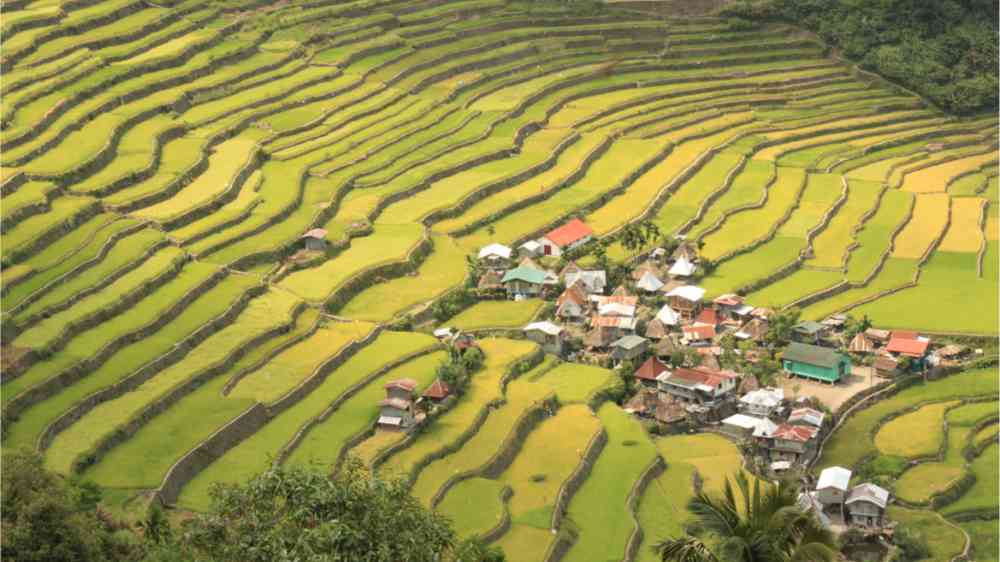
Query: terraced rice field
(159, 169)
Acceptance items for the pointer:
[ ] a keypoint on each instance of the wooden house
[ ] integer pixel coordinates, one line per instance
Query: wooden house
(814, 362)
(546, 334)
(861, 344)
(866, 504)
(491, 284)
(315, 240)
(628, 348)
(698, 385)
(397, 407)
(686, 300)
(787, 442)
(885, 366)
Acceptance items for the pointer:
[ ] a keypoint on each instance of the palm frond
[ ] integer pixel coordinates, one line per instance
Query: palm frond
(684, 549)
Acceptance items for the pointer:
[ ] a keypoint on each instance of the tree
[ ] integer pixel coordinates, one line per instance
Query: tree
(293, 514)
(48, 519)
(779, 327)
(635, 236)
(601, 254)
(156, 527)
(751, 523)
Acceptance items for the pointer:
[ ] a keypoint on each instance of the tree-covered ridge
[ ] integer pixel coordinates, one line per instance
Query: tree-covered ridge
(946, 50)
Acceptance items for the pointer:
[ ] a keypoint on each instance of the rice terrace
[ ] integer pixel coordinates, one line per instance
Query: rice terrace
(561, 268)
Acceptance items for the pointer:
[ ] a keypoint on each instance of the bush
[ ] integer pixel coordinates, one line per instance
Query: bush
(912, 544)
(740, 24)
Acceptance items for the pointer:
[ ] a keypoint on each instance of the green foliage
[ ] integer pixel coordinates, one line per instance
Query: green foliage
(757, 522)
(779, 329)
(301, 514)
(945, 50)
(47, 519)
(912, 544)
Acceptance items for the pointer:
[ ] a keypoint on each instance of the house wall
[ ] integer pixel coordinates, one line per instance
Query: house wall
(398, 393)
(811, 371)
(522, 287)
(549, 248)
(829, 496)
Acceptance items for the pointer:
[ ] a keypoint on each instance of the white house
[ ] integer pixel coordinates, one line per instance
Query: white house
(593, 281)
(668, 316)
(762, 402)
(833, 484)
(495, 255)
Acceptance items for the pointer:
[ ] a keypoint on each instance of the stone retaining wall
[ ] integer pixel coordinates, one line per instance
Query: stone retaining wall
(67, 377)
(175, 394)
(147, 371)
(572, 484)
(654, 470)
(206, 452)
(12, 256)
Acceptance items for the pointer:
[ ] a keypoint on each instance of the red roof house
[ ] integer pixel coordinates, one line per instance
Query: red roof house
(649, 370)
(799, 433)
(698, 333)
(566, 237)
(708, 317)
(909, 347)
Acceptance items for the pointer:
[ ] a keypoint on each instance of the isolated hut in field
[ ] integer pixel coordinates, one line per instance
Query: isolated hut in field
(397, 406)
(315, 240)
(437, 392)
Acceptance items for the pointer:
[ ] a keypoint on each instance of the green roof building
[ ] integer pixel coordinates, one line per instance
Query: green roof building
(815, 362)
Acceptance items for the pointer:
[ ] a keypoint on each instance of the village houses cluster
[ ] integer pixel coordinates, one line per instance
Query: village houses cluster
(658, 327)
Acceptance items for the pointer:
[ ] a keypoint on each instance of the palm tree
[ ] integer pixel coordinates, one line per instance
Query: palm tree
(768, 526)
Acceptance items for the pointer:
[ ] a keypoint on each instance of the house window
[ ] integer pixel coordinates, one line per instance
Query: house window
(547, 250)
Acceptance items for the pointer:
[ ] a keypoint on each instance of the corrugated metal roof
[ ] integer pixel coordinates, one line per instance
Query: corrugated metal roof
(812, 355)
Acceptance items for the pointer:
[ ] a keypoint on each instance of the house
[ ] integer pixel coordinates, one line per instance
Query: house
(523, 281)
(707, 317)
(698, 334)
(437, 392)
(865, 505)
(732, 307)
(861, 344)
(616, 308)
(835, 322)
(563, 239)
(885, 366)
(833, 485)
(686, 300)
(682, 268)
(649, 283)
(698, 385)
(315, 240)
(572, 303)
(628, 348)
(902, 345)
(786, 442)
(656, 329)
(808, 331)
(741, 425)
(878, 336)
(668, 316)
(550, 336)
(649, 370)
(397, 406)
(814, 362)
(495, 255)
(530, 249)
(807, 416)
(592, 281)
(617, 325)
(764, 402)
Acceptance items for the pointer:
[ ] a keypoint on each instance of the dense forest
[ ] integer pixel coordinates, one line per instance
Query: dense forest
(946, 50)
